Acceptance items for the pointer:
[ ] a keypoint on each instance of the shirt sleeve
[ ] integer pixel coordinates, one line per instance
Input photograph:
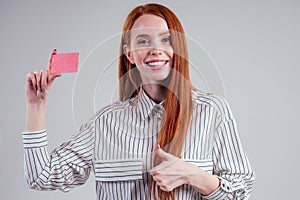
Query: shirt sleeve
(66, 167)
(230, 161)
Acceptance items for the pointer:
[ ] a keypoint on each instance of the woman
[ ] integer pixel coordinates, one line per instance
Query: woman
(162, 140)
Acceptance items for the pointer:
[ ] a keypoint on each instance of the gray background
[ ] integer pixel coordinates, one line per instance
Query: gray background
(255, 45)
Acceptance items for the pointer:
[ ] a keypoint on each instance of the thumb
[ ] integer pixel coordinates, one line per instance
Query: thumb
(162, 154)
(52, 76)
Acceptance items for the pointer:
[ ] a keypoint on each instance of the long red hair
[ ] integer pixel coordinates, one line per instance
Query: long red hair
(178, 103)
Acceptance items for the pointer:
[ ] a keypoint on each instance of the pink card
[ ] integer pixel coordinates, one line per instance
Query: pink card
(64, 62)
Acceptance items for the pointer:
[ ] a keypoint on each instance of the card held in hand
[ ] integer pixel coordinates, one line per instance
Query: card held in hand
(64, 63)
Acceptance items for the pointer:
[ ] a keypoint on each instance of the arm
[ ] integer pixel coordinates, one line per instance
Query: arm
(231, 164)
(68, 165)
(233, 177)
(38, 85)
(173, 172)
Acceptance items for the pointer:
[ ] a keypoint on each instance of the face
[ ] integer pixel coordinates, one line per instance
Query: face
(150, 48)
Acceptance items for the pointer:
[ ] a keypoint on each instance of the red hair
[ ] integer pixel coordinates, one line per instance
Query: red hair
(178, 102)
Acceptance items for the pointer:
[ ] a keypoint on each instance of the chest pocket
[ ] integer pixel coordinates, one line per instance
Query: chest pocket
(205, 164)
(118, 170)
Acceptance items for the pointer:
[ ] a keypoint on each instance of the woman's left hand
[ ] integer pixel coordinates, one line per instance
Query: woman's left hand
(172, 171)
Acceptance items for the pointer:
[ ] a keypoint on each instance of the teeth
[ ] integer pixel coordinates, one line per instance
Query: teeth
(156, 63)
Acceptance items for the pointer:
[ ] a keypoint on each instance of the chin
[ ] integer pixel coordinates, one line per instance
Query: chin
(164, 80)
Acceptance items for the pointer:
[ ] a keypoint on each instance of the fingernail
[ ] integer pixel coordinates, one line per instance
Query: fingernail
(157, 147)
(54, 51)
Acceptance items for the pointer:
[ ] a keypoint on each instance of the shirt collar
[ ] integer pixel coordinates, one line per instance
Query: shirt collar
(146, 105)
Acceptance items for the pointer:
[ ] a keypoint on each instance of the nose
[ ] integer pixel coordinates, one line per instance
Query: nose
(155, 48)
(155, 51)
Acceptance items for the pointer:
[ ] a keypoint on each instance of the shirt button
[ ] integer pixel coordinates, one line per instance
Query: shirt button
(226, 187)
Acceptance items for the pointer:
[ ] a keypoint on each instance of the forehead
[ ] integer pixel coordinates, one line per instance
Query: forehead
(149, 24)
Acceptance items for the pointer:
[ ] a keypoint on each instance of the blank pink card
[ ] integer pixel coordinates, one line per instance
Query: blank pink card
(64, 62)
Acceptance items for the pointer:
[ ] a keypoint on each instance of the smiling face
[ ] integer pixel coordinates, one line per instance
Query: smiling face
(150, 48)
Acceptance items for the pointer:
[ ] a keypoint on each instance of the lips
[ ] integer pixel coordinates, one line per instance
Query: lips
(156, 64)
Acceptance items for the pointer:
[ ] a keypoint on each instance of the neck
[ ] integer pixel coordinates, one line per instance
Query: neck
(156, 92)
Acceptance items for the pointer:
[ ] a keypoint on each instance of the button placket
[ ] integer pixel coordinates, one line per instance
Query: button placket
(158, 110)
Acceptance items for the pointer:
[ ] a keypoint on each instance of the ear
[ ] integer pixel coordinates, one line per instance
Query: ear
(128, 53)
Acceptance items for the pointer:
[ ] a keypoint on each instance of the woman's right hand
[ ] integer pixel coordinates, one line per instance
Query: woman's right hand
(38, 84)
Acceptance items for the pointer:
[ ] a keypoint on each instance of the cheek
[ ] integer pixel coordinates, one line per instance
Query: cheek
(139, 56)
(170, 52)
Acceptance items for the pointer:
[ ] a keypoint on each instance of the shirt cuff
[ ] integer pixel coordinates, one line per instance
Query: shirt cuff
(35, 139)
(222, 191)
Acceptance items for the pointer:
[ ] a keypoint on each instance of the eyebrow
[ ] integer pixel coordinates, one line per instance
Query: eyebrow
(146, 35)
(164, 33)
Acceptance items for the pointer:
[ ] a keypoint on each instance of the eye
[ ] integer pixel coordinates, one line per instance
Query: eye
(143, 42)
(167, 40)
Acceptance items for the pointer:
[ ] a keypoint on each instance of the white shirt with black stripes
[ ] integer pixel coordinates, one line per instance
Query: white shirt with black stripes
(117, 144)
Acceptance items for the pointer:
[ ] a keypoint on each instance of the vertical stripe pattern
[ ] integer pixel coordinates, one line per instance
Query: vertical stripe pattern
(117, 145)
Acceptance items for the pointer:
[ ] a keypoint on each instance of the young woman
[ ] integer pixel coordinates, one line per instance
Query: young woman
(162, 140)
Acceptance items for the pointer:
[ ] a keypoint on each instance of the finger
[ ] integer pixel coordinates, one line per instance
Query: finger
(159, 169)
(31, 80)
(38, 80)
(51, 77)
(165, 188)
(174, 184)
(169, 186)
(44, 79)
(54, 52)
(160, 184)
(156, 178)
(162, 154)
(164, 168)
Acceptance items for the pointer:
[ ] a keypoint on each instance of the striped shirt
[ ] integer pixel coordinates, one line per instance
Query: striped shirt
(117, 144)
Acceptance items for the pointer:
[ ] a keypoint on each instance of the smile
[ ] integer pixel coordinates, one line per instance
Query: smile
(156, 63)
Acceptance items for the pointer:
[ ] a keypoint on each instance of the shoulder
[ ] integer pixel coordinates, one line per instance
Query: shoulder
(215, 101)
(115, 108)
(109, 110)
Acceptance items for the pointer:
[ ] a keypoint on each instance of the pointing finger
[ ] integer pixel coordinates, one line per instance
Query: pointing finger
(50, 60)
